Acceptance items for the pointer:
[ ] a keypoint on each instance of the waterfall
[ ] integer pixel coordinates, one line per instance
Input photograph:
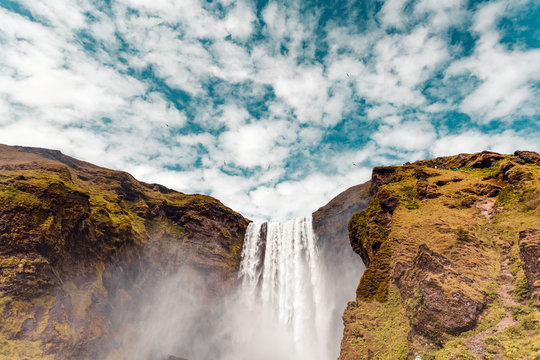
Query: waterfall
(282, 274)
(288, 305)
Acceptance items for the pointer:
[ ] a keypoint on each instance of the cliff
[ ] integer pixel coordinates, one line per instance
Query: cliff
(451, 247)
(330, 221)
(77, 240)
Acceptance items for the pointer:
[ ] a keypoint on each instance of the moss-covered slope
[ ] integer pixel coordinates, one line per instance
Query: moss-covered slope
(451, 247)
(74, 237)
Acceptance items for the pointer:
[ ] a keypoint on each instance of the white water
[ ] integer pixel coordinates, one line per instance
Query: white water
(288, 306)
(283, 277)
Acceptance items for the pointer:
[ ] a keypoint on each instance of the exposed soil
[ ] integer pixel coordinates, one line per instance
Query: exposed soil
(476, 343)
(486, 209)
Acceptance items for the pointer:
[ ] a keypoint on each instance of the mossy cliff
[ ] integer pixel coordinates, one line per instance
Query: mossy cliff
(451, 247)
(330, 221)
(76, 239)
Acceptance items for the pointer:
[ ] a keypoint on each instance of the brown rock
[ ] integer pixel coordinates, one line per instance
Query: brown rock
(425, 190)
(483, 189)
(330, 221)
(432, 311)
(485, 159)
(529, 252)
(381, 175)
(526, 157)
(388, 200)
(78, 239)
(517, 173)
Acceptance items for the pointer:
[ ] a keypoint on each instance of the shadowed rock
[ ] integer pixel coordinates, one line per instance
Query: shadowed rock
(529, 252)
(432, 310)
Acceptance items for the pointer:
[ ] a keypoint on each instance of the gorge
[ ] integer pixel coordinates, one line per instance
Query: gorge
(97, 265)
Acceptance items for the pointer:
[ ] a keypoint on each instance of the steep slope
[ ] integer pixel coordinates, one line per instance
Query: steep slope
(77, 240)
(451, 248)
(330, 221)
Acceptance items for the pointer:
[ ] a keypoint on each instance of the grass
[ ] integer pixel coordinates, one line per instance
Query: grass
(49, 204)
(450, 225)
(369, 235)
(379, 328)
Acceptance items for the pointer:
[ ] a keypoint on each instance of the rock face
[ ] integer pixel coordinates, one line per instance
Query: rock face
(529, 251)
(421, 286)
(330, 221)
(74, 237)
(451, 248)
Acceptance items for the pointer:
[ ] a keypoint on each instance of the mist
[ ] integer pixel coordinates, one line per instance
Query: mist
(290, 308)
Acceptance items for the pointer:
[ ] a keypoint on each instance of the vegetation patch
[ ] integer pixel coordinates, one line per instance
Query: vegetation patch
(375, 330)
(368, 231)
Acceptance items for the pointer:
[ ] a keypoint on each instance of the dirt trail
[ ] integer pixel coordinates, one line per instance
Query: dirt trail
(476, 343)
(486, 208)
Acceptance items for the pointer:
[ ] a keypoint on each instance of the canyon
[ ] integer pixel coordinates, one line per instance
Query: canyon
(437, 258)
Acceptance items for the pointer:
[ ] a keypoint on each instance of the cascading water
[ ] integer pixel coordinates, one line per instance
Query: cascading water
(288, 306)
(282, 275)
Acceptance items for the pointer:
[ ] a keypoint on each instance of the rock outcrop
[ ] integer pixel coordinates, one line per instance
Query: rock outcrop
(330, 221)
(76, 240)
(529, 251)
(451, 248)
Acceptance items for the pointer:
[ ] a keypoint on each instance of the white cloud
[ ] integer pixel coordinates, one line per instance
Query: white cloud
(392, 13)
(473, 141)
(407, 136)
(271, 102)
(292, 198)
(306, 91)
(508, 77)
(443, 13)
(239, 21)
(232, 115)
(234, 62)
(257, 144)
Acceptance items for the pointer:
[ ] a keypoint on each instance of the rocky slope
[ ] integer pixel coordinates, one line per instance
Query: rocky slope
(77, 240)
(330, 221)
(452, 248)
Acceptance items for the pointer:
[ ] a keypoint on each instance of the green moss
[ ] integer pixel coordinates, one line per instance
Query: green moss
(416, 300)
(21, 350)
(358, 231)
(225, 233)
(505, 196)
(13, 315)
(521, 290)
(11, 197)
(376, 329)
(369, 237)
(408, 197)
(514, 343)
(490, 291)
(375, 280)
(63, 330)
(462, 234)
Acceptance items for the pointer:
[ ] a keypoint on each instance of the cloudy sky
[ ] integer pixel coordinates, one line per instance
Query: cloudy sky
(272, 107)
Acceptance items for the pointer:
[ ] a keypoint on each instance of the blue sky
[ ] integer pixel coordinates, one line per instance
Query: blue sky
(272, 107)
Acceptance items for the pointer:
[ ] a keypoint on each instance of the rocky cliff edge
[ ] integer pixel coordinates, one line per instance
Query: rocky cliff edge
(452, 249)
(76, 240)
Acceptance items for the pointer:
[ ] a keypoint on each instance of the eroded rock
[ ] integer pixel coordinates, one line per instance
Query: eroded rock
(529, 251)
(432, 310)
(526, 157)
